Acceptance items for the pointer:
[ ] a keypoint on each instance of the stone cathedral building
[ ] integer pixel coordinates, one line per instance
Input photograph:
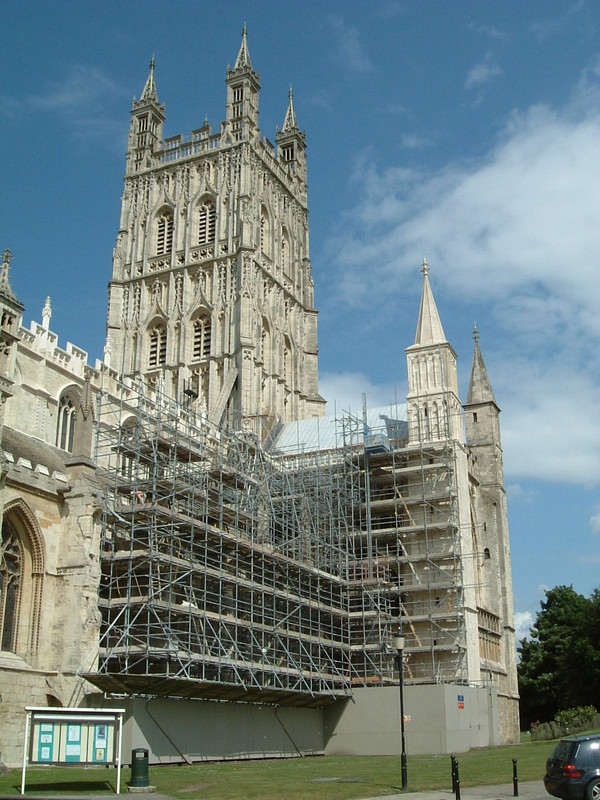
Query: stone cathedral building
(186, 534)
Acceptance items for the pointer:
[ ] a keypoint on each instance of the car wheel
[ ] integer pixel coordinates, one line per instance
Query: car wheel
(592, 790)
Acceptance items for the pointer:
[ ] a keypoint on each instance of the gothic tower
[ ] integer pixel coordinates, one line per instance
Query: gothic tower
(211, 297)
(436, 432)
(482, 424)
(433, 407)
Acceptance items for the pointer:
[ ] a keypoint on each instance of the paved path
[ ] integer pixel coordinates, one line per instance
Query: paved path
(532, 790)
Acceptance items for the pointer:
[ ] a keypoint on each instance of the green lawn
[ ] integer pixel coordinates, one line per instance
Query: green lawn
(297, 779)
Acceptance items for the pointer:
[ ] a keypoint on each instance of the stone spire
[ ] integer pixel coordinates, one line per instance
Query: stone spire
(480, 388)
(290, 124)
(429, 326)
(145, 129)
(149, 92)
(243, 59)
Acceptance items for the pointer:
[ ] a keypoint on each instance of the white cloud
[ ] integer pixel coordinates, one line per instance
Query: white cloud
(343, 392)
(348, 48)
(523, 622)
(80, 88)
(515, 233)
(83, 97)
(595, 523)
(483, 73)
(492, 31)
(550, 423)
(414, 141)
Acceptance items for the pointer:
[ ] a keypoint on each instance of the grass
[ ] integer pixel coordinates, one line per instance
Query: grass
(340, 778)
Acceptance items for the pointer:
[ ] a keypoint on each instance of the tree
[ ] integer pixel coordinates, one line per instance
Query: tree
(560, 664)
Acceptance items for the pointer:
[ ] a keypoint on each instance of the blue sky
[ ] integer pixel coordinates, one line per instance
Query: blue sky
(468, 132)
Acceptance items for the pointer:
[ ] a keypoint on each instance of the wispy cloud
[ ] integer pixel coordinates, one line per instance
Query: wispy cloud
(415, 141)
(595, 523)
(481, 74)
(81, 87)
(82, 97)
(523, 622)
(343, 392)
(517, 231)
(347, 47)
(491, 31)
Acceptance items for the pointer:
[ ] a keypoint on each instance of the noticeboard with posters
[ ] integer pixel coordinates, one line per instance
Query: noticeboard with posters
(82, 736)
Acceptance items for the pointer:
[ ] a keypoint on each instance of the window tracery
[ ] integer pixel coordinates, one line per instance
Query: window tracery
(157, 354)
(67, 414)
(164, 233)
(202, 338)
(207, 217)
(11, 578)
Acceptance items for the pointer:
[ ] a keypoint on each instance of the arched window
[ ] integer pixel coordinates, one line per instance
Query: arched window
(285, 252)
(11, 576)
(265, 231)
(157, 354)
(164, 233)
(266, 346)
(21, 577)
(207, 218)
(287, 361)
(67, 413)
(486, 553)
(202, 333)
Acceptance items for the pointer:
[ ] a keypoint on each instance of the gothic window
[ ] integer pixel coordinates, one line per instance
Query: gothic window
(202, 333)
(67, 413)
(486, 553)
(266, 346)
(287, 361)
(265, 231)
(157, 354)
(134, 348)
(237, 112)
(207, 218)
(11, 575)
(285, 252)
(238, 95)
(427, 430)
(164, 233)
(21, 578)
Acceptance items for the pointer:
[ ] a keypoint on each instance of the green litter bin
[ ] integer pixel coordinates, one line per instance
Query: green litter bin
(139, 768)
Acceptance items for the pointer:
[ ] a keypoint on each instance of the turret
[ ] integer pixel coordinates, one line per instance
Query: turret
(434, 411)
(11, 311)
(482, 421)
(243, 85)
(291, 141)
(146, 127)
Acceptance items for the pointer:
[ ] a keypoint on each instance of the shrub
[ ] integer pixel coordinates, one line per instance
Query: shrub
(571, 720)
(576, 719)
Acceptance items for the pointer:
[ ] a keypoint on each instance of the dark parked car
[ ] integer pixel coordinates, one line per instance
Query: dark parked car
(573, 769)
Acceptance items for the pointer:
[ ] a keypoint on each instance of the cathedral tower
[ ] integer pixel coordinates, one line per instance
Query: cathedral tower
(211, 297)
(433, 407)
(482, 424)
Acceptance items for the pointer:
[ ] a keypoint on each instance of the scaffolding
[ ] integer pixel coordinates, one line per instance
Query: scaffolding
(234, 571)
(223, 569)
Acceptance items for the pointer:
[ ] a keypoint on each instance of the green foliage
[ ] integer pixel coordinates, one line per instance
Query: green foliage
(572, 720)
(569, 721)
(560, 665)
